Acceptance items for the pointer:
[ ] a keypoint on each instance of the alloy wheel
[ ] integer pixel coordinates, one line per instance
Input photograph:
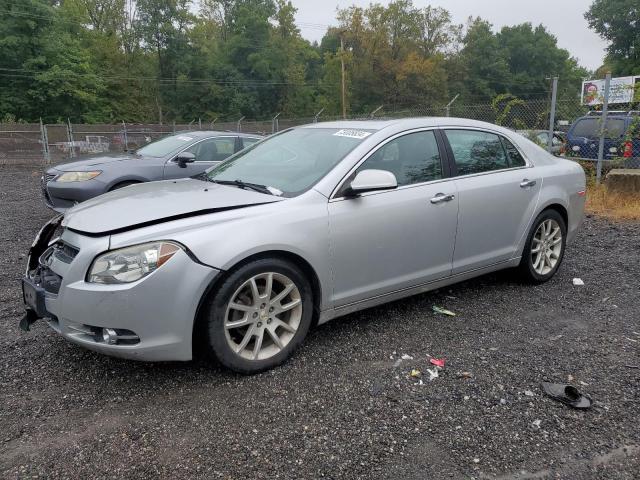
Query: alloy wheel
(263, 316)
(546, 247)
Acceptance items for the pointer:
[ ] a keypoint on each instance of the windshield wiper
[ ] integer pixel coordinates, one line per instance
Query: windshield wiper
(244, 185)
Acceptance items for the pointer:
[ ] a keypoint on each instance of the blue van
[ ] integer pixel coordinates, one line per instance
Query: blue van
(584, 136)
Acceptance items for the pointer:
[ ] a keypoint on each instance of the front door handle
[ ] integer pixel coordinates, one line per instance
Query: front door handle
(527, 183)
(441, 197)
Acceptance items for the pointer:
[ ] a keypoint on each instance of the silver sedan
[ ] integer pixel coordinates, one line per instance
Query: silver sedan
(306, 226)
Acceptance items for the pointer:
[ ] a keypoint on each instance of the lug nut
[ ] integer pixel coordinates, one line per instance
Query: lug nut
(271, 309)
(268, 321)
(259, 324)
(255, 314)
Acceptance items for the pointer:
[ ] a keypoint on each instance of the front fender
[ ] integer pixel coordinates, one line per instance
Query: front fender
(222, 240)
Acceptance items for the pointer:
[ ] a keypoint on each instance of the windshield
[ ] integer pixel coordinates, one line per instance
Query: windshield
(590, 128)
(292, 161)
(167, 145)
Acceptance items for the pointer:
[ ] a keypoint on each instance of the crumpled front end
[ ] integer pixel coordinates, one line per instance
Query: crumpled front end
(150, 319)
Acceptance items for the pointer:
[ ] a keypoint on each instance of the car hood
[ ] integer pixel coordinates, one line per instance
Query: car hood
(150, 203)
(93, 161)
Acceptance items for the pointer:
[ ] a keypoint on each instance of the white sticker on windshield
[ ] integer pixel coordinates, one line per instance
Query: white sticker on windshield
(352, 133)
(185, 139)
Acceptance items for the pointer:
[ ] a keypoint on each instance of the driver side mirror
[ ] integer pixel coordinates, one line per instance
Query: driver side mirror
(185, 157)
(371, 181)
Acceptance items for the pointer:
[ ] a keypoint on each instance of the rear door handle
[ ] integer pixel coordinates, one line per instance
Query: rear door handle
(527, 183)
(441, 197)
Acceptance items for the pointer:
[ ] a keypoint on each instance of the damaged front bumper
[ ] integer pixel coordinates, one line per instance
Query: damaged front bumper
(38, 276)
(150, 319)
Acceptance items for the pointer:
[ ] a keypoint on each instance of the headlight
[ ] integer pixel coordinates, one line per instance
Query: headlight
(131, 263)
(77, 176)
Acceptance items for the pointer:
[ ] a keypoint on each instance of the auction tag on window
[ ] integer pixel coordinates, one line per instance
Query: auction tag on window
(185, 139)
(352, 133)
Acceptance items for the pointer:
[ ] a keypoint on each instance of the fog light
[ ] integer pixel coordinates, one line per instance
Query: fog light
(109, 336)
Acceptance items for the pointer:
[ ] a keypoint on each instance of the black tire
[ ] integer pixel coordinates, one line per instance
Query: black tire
(526, 267)
(120, 185)
(215, 309)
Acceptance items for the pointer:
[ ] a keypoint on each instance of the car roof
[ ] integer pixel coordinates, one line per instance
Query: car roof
(213, 133)
(405, 123)
(618, 115)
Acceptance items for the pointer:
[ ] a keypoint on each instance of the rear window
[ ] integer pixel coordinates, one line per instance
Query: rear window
(590, 128)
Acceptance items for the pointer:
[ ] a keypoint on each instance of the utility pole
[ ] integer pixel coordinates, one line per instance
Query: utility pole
(344, 106)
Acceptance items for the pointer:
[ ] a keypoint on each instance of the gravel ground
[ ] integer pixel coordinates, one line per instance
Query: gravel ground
(343, 407)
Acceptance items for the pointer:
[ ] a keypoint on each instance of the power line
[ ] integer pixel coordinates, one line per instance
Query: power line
(23, 73)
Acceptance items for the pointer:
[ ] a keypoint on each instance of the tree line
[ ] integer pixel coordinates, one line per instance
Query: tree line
(176, 60)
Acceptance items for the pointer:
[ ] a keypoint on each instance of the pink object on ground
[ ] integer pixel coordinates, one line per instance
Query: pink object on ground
(438, 362)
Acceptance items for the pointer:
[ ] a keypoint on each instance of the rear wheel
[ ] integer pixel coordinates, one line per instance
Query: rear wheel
(544, 250)
(260, 314)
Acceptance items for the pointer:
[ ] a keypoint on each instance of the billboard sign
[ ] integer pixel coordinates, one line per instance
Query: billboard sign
(621, 91)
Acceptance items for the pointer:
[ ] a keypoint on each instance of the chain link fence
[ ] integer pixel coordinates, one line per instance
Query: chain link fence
(618, 136)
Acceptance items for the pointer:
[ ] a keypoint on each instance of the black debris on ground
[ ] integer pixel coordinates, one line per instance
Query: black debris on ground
(345, 406)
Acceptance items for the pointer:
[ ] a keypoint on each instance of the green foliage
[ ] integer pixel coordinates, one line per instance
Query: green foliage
(518, 60)
(502, 105)
(166, 60)
(618, 22)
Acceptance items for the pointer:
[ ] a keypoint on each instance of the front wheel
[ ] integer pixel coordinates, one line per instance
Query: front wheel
(544, 250)
(260, 314)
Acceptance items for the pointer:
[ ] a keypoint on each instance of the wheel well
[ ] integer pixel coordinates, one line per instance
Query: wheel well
(307, 269)
(123, 183)
(561, 210)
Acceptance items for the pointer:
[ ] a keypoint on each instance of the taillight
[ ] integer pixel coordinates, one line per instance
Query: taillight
(628, 150)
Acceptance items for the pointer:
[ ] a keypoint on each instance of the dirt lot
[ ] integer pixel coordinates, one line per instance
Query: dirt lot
(340, 408)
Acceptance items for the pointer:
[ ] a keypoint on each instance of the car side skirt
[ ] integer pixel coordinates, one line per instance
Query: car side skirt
(342, 310)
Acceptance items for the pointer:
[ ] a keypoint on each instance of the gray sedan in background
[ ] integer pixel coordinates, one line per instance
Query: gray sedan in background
(176, 156)
(306, 226)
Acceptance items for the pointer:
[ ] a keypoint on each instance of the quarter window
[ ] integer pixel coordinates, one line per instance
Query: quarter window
(515, 158)
(412, 158)
(213, 149)
(476, 152)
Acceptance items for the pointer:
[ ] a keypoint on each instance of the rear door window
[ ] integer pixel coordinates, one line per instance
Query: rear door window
(476, 152)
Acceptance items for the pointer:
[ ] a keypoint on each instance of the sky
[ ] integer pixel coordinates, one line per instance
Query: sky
(563, 18)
